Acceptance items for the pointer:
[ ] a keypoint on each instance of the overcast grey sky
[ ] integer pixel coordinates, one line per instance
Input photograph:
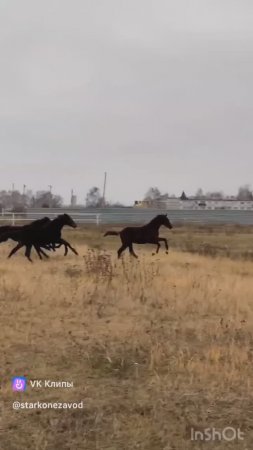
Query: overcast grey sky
(155, 92)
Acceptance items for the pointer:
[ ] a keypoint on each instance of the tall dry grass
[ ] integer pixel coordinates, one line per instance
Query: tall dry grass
(154, 347)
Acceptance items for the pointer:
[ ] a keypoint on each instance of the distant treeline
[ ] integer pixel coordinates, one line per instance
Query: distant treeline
(244, 193)
(16, 201)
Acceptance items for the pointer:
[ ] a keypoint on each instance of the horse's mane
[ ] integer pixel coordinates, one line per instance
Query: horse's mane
(155, 220)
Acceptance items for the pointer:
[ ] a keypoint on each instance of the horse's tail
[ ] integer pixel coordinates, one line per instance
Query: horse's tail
(111, 233)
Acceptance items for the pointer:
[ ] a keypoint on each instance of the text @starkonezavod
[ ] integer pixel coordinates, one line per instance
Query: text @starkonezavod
(41, 405)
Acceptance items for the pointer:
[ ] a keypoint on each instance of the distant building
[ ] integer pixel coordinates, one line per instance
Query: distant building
(143, 204)
(193, 203)
(169, 203)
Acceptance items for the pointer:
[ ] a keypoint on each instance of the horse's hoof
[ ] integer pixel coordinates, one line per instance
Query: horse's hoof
(167, 253)
(153, 254)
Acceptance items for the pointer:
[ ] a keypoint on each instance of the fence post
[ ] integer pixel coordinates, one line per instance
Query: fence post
(97, 219)
(13, 218)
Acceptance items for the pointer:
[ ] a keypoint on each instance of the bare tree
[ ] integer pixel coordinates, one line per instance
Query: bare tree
(45, 199)
(94, 198)
(13, 200)
(17, 201)
(200, 193)
(215, 195)
(153, 193)
(245, 193)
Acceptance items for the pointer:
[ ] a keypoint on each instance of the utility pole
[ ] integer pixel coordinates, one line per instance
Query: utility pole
(24, 188)
(50, 198)
(12, 194)
(104, 189)
(73, 198)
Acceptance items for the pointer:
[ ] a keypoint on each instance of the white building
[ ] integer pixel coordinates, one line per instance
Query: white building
(197, 204)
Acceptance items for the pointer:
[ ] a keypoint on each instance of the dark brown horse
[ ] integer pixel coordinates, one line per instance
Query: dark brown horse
(46, 236)
(148, 234)
(35, 224)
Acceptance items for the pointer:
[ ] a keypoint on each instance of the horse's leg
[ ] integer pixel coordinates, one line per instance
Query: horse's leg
(55, 246)
(155, 241)
(165, 242)
(59, 244)
(158, 247)
(43, 253)
(131, 250)
(121, 249)
(40, 251)
(48, 247)
(37, 248)
(15, 249)
(67, 245)
(66, 250)
(28, 252)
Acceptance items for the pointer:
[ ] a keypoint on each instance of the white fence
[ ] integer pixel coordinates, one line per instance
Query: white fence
(14, 218)
(133, 216)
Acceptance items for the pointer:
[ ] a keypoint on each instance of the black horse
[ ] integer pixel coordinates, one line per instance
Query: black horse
(34, 225)
(148, 234)
(47, 236)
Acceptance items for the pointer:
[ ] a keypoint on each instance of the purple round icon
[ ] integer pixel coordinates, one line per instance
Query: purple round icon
(19, 384)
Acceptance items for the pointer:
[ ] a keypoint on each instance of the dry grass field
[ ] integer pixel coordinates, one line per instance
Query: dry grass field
(155, 347)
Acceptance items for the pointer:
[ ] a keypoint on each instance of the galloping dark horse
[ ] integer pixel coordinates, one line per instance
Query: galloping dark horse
(148, 234)
(45, 236)
(33, 225)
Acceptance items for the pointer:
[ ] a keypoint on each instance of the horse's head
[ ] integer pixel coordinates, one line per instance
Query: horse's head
(67, 220)
(165, 221)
